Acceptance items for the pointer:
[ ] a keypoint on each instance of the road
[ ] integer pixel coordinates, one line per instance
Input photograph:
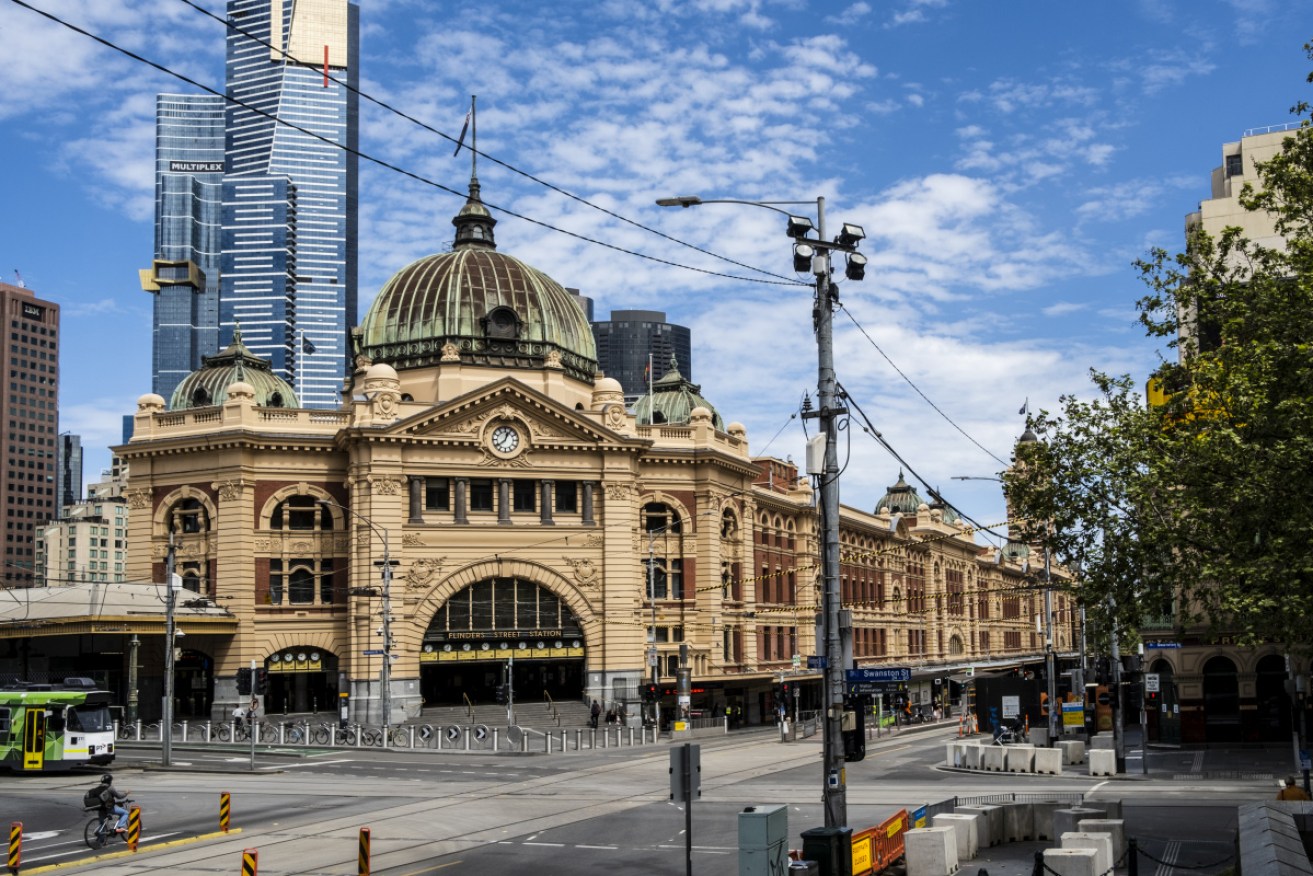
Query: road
(586, 812)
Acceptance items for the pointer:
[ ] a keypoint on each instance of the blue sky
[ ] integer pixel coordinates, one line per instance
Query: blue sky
(1008, 162)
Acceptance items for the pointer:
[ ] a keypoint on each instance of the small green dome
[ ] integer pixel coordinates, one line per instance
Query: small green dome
(901, 498)
(673, 399)
(478, 305)
(234, 364)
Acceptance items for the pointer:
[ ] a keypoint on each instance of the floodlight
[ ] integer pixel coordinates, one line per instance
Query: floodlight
(849, 234)
(802, 256)
(799, 227)
(679, 201)
(856, 268)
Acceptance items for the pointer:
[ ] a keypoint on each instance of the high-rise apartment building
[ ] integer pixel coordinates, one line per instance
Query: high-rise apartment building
(184, 274)
(256, 201)
(288, 266)
(625, 342)
(29, 424)
(68, 477)
(90, 543)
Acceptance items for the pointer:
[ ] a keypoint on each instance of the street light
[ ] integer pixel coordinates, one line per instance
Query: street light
(812, 254)
(385, 674)
(1050, 658)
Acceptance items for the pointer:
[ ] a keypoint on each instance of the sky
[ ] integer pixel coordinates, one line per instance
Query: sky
(1008, 162)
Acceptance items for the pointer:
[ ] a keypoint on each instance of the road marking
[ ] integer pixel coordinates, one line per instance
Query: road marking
(40, 834)
(292, 766)
(1170, 855)
(604, 848)
(431, 869)
(550, 845)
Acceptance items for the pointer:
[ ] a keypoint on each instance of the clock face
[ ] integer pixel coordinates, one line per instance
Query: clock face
(505, 439)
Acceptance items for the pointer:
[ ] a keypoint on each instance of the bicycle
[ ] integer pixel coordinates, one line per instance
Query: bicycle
(235, 732)
(102, 828)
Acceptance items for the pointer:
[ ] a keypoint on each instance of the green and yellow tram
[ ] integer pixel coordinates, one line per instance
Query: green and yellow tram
(49, 727)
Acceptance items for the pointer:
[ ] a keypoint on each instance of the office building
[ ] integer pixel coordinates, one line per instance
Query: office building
(68, 480)
(627, 340)
(184, 273)
(89, 543)
(29, 424)
(288, 267)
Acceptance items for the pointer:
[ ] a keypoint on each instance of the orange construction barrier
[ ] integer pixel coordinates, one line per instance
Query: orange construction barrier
(876, 848)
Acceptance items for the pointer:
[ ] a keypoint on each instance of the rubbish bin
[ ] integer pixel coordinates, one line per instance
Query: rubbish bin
(804, 868)
(831, 848)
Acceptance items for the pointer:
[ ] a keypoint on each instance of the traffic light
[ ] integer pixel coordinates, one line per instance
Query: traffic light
(854, 731)
(786, 691)
(649, 693)
(244, 682)
(261, 682)
(500, 695)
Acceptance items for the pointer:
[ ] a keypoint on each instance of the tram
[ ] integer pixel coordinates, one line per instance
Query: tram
(52, 727)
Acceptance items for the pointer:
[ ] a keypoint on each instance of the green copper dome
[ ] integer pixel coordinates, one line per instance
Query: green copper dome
(901, 498)
(234, 364)
(673, 399)
(479, 306)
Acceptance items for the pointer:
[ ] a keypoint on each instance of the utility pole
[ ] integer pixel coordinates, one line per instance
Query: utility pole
(386, 673)
(133, 644)
(166, 723)
(1050, 659)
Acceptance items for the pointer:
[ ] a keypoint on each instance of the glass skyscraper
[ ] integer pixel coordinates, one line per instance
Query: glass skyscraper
(627, 340)
(288, 266)
(255, 219)
(184, 275)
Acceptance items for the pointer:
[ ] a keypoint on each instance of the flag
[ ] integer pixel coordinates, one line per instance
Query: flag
(460, 141)
(306, 346)
(647, 370)
(1025, 409)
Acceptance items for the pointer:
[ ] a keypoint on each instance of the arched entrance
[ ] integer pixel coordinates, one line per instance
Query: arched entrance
(301, 679)
(497, 625)
(1273, 701)
(1221, 701)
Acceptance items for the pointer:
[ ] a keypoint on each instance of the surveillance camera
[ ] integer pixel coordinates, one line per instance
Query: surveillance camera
(378, 632)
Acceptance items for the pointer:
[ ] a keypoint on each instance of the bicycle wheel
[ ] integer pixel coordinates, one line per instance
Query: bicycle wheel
(93, 835)
(369, 737)
(294, 734)
(224, 733)
(320, 735)
(268, 733)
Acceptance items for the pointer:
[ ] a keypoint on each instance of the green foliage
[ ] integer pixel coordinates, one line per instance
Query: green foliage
(1204, 505)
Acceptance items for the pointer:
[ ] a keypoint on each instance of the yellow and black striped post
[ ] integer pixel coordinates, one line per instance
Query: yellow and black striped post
(362, 868)
(134, 827)
(250, 861)
(225, 810)
(15, 846)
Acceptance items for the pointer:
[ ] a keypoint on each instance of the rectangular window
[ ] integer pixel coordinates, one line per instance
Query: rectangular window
(437, 494)
(326, 581)
(1235, 165)
(481, 495)
(567, 497)
(524, 496)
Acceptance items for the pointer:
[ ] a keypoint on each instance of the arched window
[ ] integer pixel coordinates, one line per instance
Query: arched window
(275, 400)
(661, 519)
(200, 397)
(300, 513)
(1221, 700)
(955, 645)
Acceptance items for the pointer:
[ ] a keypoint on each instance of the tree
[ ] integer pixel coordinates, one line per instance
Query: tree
(1205, 502)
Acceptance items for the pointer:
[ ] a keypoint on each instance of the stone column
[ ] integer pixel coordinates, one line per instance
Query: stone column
(503, 501)
(462, 491)
(588, 504)
(545, 512)
(416, 500)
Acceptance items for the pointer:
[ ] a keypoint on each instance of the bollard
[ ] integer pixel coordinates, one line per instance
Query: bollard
(578, 739)
(250, 862)
(1039, 865)
(362, 867)
(134, 827)
(225, 810)
(15, 846)
(1132, 857)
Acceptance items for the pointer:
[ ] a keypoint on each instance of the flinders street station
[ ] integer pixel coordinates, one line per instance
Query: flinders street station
(482, 502)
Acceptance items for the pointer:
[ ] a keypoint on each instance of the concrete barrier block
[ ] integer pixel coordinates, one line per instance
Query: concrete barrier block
(1066, 819)
(991, 757)
(1111, 808)
(968, 832)
(1101, 843)
(953, 754)
(990, 826)
(1103, 762)
(1048, 760)
(1114, 827)
(930, 851)
(1020, 758)
(971, 755)
(1073, 750)
(1043, 813)
(1103, 741)
(1071, 862)
(1018, 822)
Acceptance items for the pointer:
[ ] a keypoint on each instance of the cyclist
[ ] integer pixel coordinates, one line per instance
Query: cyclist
(110, 800)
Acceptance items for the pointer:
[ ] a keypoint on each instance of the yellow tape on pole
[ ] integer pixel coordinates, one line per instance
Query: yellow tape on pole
(225, 810)
(134, 827)
(250, 861)
(362, 868)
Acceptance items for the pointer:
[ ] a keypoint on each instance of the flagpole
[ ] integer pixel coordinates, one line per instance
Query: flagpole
(474, 136)
(651, 402)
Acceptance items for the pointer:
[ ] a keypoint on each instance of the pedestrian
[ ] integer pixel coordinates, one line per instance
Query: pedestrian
(239, 714)
(1291, 791)
(251, 715)
(593, 714)
(610, 716)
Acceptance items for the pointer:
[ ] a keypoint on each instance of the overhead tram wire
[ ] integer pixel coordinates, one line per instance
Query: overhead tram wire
(382, 104)
(413, 175)
(917, 389)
